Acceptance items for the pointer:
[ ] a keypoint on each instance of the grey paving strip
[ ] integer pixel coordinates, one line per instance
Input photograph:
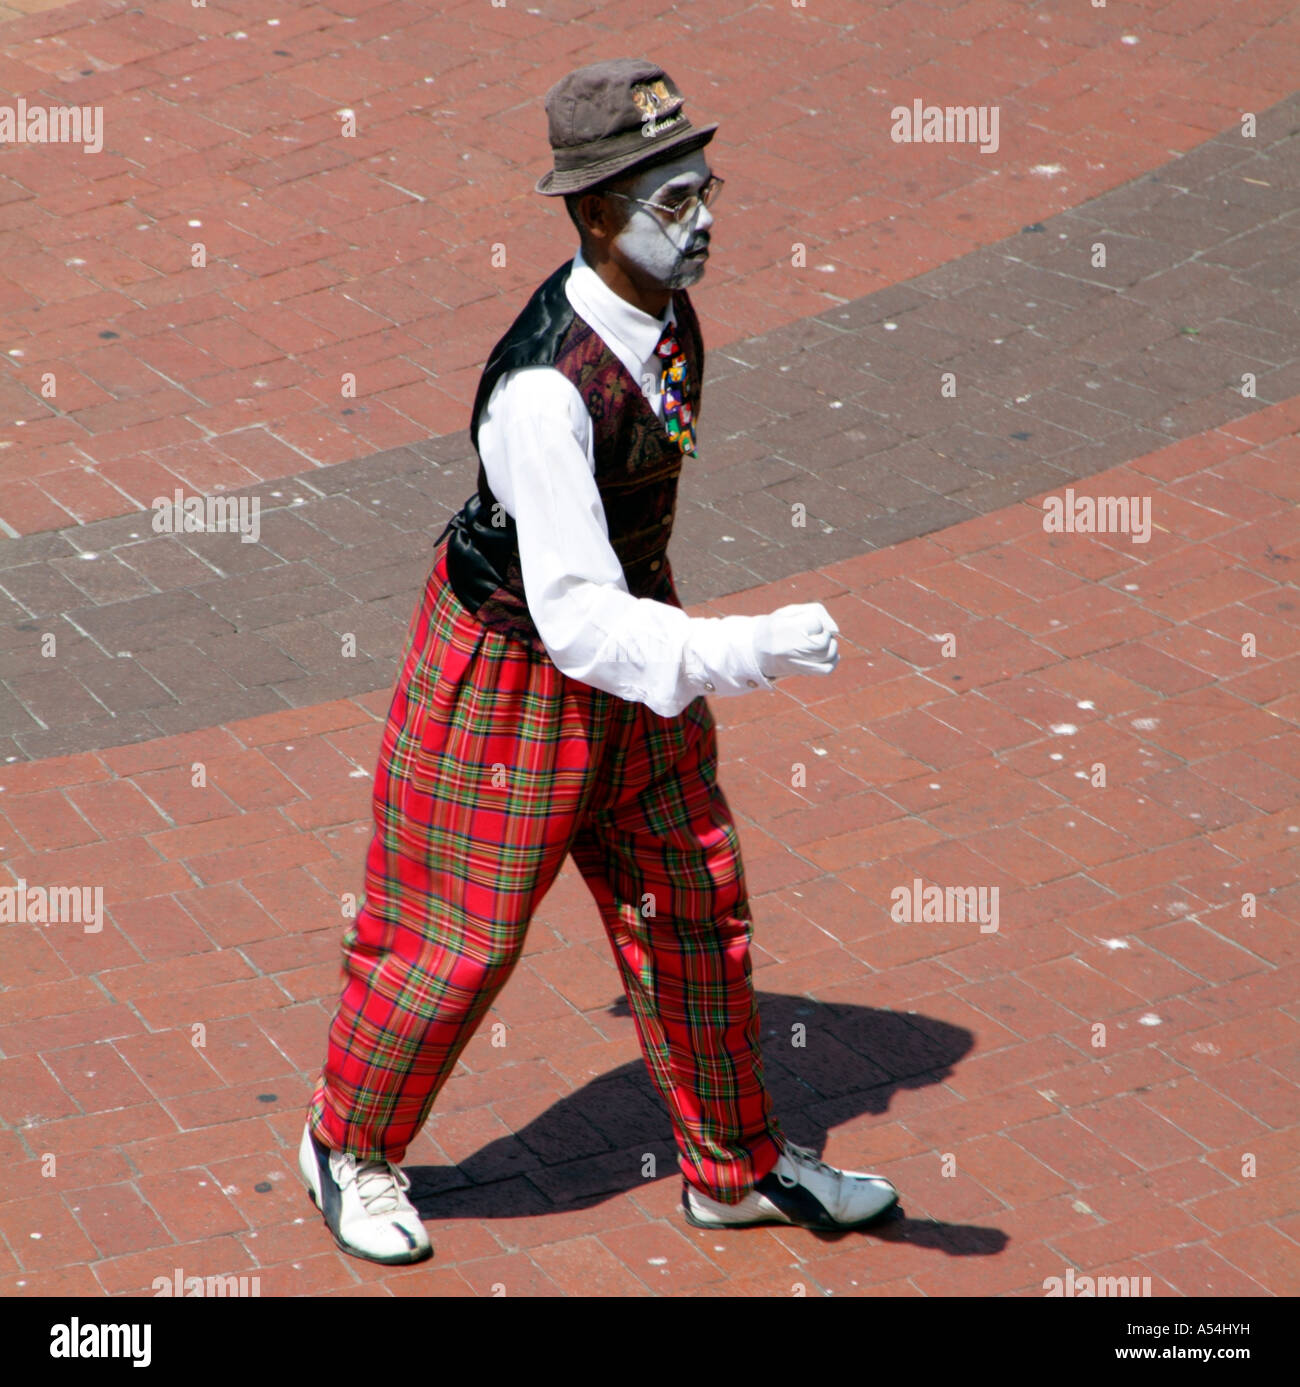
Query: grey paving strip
(1062, 370)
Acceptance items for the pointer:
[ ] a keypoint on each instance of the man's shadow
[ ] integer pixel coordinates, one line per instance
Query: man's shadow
(824, 1065)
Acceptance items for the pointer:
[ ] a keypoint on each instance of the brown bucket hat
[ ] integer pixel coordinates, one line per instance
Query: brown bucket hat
(610, 117)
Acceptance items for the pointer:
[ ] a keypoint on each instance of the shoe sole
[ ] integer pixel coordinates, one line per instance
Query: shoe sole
(419, 1255)
(770, 1221)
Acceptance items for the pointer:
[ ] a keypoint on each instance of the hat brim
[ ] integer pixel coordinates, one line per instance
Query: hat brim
(556, 184)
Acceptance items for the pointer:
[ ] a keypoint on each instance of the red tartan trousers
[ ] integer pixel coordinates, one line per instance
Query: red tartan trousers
(495, 765)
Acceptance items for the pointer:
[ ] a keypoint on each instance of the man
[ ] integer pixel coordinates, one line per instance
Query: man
(551, 701)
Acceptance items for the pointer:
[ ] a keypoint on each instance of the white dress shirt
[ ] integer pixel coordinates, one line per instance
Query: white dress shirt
(536, 443)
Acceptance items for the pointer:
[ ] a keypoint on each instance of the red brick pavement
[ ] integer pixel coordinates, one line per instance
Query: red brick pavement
(328, 254)
(134, 1144)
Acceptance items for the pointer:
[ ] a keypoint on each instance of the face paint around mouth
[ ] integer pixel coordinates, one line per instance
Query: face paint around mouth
(660, 250)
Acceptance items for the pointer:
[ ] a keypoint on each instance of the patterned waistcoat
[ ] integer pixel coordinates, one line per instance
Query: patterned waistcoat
(637, 464)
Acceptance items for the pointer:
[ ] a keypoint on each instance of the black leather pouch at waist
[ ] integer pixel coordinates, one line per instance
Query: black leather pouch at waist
(478, 554)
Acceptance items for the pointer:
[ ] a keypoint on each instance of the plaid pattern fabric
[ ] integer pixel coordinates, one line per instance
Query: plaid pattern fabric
(495, 765)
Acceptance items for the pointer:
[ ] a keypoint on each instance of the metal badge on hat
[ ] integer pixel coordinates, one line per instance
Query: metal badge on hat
(653, 100)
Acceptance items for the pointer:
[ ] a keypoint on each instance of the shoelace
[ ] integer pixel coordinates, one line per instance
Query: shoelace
(374, 1181)
(803, 1156)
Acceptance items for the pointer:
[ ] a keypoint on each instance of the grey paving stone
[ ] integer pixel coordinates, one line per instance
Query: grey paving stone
(40, 589)
(246, 659)
(1024, 479)
(893, 302)
(1280, 384)
(1022, 431)
(228, 554)
(71, 737)
(177, 718)
(145, 623)
(342, 564)
(396, 610)
(448, 448)
(1271, 275)
(883, 488)
(1056, 285)
(396, 503)
(735, 542)
(1039, 373)
(253, 613)
(11, 614)
(783, 344)
(835, 371)
(54, 698)
(306, 642)
(121, 685)
(101, 535)
(721, 366)
(25, 649)
(1240, 187)
(28, 549)
(1205, 161)
(813, 550)
(1247, 341)
(1195, 416)
(865, 436)
(186, 672)
(722, 450)
(289, 535)
(103, 579)
(1121, 396)
(802, 434)
(164, 563)
(923, 463)
(15, 717)
(737, 480)
(896, 526)
(229, 595)
(1070, 412)
(1089, 458)
(1200, 290)
(354, 677)
(374, 583)
(1110, 347)
(348, 523)
(343, 476)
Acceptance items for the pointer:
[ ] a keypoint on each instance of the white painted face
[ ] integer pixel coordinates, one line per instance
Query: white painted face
(661, 248)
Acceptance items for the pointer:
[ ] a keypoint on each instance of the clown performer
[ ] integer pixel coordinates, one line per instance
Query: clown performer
(552, 701)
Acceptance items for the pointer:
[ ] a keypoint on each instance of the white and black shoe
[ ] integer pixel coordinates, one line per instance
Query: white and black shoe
(799, 1190)
(364, 1204)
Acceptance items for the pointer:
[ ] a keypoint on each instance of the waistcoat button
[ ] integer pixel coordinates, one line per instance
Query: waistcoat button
(668, 519)
(654, 565)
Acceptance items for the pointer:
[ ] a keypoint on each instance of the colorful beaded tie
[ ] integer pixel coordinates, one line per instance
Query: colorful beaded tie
(672, 381)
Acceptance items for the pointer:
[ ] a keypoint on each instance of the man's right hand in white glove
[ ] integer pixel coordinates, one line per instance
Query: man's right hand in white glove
(799, 639)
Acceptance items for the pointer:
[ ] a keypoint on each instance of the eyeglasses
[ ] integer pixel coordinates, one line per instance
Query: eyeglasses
(686, 207)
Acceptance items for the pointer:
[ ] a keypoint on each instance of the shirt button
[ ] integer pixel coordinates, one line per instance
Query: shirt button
(654, 565)
(753, 683)
(708, 686)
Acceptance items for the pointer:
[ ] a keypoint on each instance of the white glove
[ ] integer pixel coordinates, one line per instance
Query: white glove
(799, 639)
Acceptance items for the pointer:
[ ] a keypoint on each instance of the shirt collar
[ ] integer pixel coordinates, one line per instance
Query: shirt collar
(613, 317)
